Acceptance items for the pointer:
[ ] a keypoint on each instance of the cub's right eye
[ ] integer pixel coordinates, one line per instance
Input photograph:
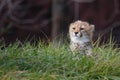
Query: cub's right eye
(81, 28)
(73, 28)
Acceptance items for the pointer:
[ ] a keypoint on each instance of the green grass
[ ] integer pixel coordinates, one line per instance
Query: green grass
(39, 62)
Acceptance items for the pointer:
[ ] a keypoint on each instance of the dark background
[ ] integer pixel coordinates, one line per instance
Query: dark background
(48, 20)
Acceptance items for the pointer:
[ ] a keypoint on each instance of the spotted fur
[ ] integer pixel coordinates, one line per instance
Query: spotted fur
(80, 37)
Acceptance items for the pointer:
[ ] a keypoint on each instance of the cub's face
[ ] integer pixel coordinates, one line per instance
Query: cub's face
(80, 29)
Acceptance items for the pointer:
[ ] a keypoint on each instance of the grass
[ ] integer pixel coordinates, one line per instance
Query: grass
(40, 62)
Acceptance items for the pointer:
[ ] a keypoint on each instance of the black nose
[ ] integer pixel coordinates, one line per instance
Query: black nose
(76, 32)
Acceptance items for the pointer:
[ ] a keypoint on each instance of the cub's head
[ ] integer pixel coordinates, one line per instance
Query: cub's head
(80, 29)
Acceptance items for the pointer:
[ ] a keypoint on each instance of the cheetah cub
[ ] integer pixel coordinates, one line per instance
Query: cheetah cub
(81, 34)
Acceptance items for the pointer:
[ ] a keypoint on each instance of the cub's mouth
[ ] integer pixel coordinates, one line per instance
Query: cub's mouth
(78, 34)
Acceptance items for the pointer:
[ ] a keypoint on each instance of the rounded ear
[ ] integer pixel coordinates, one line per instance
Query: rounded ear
(92, 28)
(70, 25)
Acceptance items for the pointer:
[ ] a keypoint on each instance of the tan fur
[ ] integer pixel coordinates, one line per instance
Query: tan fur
(81, 34)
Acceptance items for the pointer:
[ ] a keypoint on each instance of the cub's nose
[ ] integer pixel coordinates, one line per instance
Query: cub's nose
(76, 32)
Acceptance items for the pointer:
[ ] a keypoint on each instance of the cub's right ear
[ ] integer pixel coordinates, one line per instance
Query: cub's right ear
(70, 24)
(92, 28)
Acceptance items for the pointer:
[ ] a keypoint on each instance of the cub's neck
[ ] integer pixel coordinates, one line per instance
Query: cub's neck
(80, 40)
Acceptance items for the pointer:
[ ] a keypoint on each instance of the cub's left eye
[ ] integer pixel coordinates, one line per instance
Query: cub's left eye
(81, 28)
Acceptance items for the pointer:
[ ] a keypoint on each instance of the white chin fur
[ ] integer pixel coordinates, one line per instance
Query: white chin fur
(81, 40)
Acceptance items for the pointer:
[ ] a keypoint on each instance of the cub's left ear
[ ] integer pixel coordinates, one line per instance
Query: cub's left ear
(92, 28)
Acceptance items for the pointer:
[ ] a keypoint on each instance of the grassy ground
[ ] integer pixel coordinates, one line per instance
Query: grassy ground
(29, 62)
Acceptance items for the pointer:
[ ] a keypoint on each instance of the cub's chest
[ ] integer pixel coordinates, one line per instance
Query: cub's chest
(81, 45)
(84, 48)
